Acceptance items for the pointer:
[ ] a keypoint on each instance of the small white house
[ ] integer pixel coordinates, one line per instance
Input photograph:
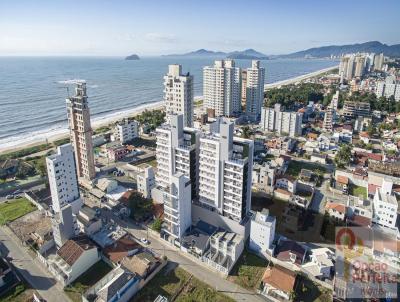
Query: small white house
(74, 258)
(321, 263)
(107, 185)
(287, 183)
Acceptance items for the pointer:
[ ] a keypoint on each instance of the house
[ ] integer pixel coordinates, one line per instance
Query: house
(290, 251)
(225, 249)
(278, 282)
(321, 264)
(121, 248)
(336, 210)
(74, 258)
(342, 183)
(364, 137)
(281, 145)
(142, 264)
(116, 152)
(118, 285)
(306, 176)
(262, 232)
(196, 240)
(287, 183)
(107, 185)
(318, 158)
(87, 221)
(8, 167)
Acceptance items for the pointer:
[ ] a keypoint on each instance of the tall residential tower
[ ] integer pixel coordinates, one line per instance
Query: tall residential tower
(81, 132)
(254, 91)
(178, 94)
(221, 88)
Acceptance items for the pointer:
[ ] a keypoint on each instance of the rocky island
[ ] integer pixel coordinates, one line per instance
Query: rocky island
(132, 57)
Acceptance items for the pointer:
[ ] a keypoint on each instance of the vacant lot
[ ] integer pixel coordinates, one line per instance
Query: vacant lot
(248, 271)
(306, 290)
(358, 191)
(15, 208)
(179, 284)
(88, 279)
(295, 167)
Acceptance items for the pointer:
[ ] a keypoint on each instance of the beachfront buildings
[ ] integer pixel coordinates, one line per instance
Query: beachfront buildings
(225, 165)
(63, 183)
(81, 132)
(125, 131)
(283, 122)
(222, 88)
(254, 90)
(178, 94)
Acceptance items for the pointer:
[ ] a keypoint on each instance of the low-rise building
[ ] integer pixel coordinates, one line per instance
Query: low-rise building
(87, 221)
(336, 211)
(290, 251)
(225, 249)
(321, 264)
(107, 185)
(278, 282)
(145, 180)
(287, 183)
(74, 258)
(262, 232)
(125, 131)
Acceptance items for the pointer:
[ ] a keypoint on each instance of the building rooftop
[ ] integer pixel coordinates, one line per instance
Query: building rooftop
(263, 217)
(71, 251)
(280, 278)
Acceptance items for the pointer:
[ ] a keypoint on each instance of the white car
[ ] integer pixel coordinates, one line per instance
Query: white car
(144, 240)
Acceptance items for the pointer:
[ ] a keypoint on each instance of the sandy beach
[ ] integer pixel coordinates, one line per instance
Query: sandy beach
(50, 135)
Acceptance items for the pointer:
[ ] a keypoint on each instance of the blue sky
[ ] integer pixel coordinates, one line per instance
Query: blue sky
(152, 27)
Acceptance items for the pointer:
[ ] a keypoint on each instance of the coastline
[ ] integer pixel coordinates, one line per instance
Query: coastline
(56, 134)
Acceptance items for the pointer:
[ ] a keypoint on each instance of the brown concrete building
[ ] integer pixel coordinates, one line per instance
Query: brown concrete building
(81, 132)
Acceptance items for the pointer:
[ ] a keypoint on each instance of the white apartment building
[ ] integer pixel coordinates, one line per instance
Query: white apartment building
(359, 69)
(254, 91)
(378, 62)
(176, 151)
(145, 180)
(64, 225)
(178, 94)
(283, 122)
(225, 166)
(289, 123)
(62, 179)
(125, 131)
(262, 231)
(177, 206)
(387, 89)
(385, 206)
(222, 88)
(81, 132)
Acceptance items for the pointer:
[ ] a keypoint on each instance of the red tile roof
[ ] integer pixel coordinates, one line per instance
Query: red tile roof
(341, 208)
(342, 179)
(280, 278)
(74, 248)
(117, 251)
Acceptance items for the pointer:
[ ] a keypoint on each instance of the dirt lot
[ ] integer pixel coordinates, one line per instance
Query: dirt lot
(34, 221)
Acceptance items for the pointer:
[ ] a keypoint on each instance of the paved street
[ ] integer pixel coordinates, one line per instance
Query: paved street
(199, 271)
(31, 269)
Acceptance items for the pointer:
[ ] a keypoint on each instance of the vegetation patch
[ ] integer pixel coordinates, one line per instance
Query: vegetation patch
(15, 208)
(306, 290)
(178, 284)
(295, 167)
(87, 280)
(248, 270)
(358, 191)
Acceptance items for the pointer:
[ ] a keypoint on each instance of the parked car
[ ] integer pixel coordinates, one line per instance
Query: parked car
(144, 240)
(10, 196)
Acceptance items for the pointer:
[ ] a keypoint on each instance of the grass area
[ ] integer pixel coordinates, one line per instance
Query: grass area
(198, 102)
(248, 271)
(295, 167)
(25, 151)
(15, 208)
(358, 191)
(169, 282)
(88, 279)
(21, 293)
(103, 129)
(61, 142)
(306, 290)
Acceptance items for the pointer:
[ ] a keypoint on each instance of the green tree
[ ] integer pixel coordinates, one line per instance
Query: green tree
(343, 157)
(156, 225)
(246, 132)
(139, 206)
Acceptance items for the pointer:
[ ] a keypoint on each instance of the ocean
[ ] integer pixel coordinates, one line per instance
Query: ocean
(32, 89)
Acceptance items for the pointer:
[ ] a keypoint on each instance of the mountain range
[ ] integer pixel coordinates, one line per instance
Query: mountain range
(247, 54)
(316, 52)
